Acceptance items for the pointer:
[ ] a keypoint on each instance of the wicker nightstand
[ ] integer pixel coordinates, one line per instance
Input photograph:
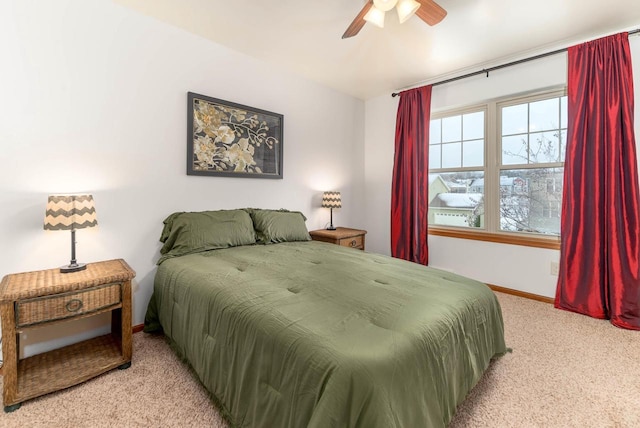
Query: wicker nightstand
(32, 299)
(344, 236)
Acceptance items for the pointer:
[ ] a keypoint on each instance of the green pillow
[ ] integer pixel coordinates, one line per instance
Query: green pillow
(194, 232)
(274, 226)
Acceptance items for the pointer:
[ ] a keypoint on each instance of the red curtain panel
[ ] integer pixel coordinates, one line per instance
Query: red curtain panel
(600, 224)
(410, 185)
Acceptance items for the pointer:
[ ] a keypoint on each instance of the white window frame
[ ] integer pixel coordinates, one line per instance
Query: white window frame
(492, 168)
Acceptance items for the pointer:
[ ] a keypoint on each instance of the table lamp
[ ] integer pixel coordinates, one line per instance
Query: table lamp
(70, 212)
(331, 200)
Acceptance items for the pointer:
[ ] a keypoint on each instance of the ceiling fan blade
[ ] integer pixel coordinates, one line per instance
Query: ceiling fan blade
(358, 22)
(430, 12)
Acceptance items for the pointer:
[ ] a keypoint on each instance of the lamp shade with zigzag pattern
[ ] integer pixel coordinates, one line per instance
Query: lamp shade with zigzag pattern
(331, 200)
(69, 212)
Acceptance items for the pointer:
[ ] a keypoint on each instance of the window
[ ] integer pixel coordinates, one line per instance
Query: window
(456, 156)
(499, 167)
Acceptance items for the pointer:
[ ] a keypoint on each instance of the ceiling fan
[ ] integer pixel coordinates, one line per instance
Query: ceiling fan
(374, 11)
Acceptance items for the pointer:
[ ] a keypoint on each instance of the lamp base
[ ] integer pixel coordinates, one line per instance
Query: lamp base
(74, 267)
(331, 228)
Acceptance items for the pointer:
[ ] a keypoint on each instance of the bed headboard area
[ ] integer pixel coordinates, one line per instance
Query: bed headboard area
(194, 232)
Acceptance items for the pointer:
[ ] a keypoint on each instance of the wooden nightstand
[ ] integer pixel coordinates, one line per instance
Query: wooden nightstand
(32, 299)
(344, 236)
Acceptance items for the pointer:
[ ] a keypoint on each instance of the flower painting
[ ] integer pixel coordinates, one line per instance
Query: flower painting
(232, 140)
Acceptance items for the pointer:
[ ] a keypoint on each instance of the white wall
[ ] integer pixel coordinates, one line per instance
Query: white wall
(93, 99)
(517, 267)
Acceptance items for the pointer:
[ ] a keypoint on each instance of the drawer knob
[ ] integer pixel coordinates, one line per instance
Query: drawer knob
(74, 305)
(354, 243)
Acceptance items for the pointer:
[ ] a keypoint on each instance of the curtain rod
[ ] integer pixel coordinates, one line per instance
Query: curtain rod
(508, 64)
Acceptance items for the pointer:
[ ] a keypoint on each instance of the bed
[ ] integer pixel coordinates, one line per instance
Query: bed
(290, 332)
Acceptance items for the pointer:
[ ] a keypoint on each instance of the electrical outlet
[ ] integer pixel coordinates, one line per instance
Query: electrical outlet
(555, 268)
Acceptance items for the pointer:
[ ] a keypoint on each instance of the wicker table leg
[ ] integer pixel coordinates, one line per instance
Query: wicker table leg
(9, 409)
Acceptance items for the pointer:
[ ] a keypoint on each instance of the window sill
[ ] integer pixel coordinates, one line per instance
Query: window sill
(551, 243)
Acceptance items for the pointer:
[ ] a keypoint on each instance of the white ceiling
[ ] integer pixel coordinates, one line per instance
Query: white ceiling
(304, 36)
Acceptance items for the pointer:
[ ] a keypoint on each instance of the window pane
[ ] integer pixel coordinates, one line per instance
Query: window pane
(434, 131)
(451, 129)
(563, 112)
(434, 157)
(514, 150)
(473, 126)
(451, 155)
(544, 115)
(530, 200)
(514, 119)
(544, 147)
(563, 144)
(457, 199)
(473, 153)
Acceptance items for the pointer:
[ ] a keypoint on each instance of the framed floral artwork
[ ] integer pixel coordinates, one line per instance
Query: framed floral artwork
(232, 140)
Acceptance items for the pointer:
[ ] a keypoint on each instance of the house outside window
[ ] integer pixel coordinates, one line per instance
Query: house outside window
(498, 167)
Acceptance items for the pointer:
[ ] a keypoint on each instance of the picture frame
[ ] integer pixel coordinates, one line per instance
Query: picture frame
(232, 140)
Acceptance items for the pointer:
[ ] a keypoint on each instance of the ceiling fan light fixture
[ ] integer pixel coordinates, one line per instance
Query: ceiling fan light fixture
(406, 9)
(384, 5)
(375, 16)
(374, 11)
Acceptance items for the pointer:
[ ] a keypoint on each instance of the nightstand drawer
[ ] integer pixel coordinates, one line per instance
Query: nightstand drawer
(353, 242)
(343, 236)
(60, 306)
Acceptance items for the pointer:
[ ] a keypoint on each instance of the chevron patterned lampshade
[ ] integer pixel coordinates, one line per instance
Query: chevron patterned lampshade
(331, 200)
(70, 212)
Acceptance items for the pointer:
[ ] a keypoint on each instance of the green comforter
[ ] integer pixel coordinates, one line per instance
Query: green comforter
(313, 334)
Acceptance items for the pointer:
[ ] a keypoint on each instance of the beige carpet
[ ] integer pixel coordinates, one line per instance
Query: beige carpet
(566, 370)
